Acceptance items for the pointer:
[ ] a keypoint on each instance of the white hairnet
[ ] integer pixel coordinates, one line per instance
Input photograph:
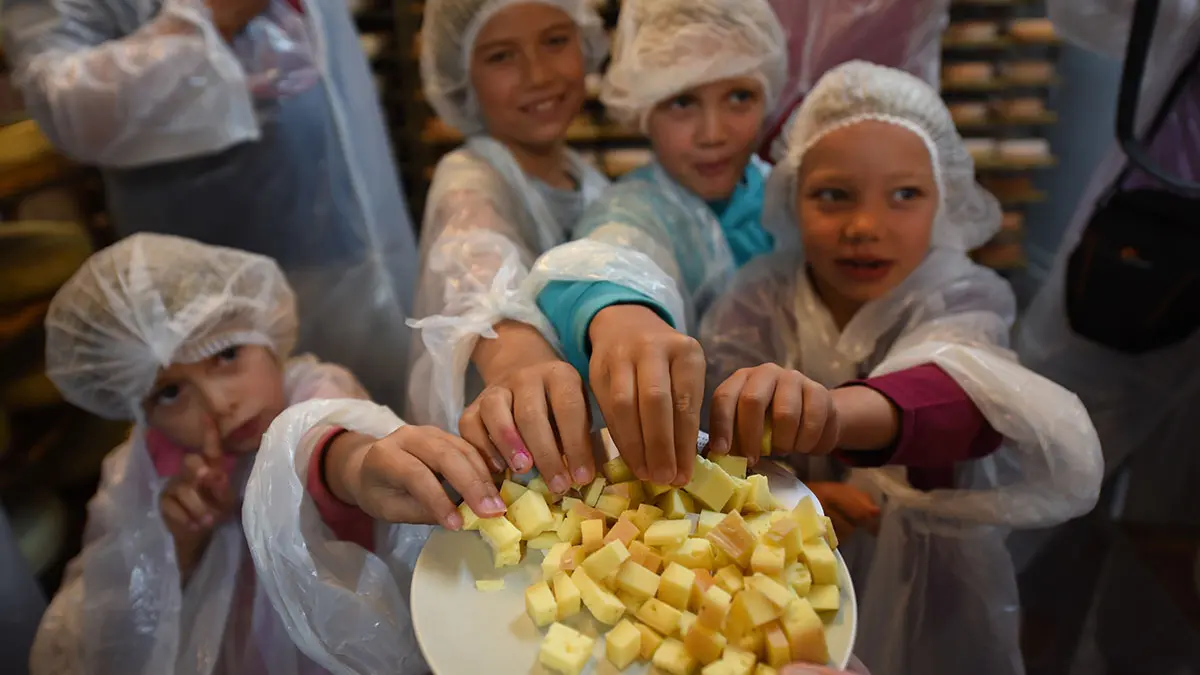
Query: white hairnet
(448, 37)
(152, 300)
(858, 91)
(664, 47)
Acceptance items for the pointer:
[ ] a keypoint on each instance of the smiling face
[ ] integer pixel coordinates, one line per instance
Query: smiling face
(527, 72)
(705, 136)
(241, 389)
(866, 198)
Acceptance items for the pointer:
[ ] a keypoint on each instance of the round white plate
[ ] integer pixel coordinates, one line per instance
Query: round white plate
(465, 631)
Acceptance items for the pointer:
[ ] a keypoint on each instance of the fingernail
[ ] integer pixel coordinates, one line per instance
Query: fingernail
(453, 521)
(720, 446)
(521, 461)
(496, 464)
(495, 504)
(664, 476)
(560, 484)
(583, 475)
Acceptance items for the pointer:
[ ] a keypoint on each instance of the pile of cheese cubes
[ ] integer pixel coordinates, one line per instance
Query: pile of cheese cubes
(713, 578)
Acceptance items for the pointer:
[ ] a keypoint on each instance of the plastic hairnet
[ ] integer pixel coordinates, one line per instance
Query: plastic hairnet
(152, 300)
(857, 92)
(663, 47)
(448, 38)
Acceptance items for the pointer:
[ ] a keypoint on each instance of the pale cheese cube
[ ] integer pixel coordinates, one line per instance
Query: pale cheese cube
(812, 524)
(714, 607)
(764, 669)
(594, 490)
(695, 553)
(759, 496)
(531, 514)
(470, 520)
(566, 596)
(612, 505)
(805, 632)
(721, 667)
(672, 657)
(632, 602)
(686, 621)
(741, 660)
(739, 496)
(705, 645)
(606, 561)
(710, 484)
(565, 650)
(592, 533)
(785, 533)
(540, 604)
(616, 471)
(772, 590)
(667, 533)
(660, 616)
(600, 602)
(729, 578)
(499, 533)
(675, 587)
(733, 465)
(799, 578)
(656, 489)
(647, 515)
(622, 644)
(708, 520)
(489, 585)
(830, 534)
(750, 610)
(779, 651)
(820, 560)
(544, 541)
(767, 559)
(825, 598)
(676, 504)
(650, 640)
(637, 580)
(569, 529)
(507, 556)
(510, 492)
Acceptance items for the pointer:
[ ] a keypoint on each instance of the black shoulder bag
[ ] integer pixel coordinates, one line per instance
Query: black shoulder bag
(1133, 281)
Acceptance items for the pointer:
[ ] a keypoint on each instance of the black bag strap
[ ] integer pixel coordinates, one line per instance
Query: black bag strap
(1145, 15)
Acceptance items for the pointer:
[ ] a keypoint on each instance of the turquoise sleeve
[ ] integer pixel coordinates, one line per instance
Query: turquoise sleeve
(571, 305)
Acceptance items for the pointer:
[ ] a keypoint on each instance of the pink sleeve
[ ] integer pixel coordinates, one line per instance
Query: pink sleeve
(940, 426)
(346, 522)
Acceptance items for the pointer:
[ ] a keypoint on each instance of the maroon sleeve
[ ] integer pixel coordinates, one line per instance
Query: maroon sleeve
(347, 523)
(940, 426)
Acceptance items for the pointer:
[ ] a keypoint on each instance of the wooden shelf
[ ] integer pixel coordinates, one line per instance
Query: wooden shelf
(999, 164)
(998, 84)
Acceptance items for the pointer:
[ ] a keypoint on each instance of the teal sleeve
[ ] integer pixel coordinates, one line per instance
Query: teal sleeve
(571, 305)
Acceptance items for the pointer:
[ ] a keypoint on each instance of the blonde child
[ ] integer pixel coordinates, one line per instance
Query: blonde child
(698, 78)
(872, 295)
(192, 342)
(510, 75)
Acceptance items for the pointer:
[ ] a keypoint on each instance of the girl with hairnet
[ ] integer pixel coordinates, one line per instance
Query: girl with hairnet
(509, 74)
(653, 252)
(252, 124)
(946, 441)
(193, 343)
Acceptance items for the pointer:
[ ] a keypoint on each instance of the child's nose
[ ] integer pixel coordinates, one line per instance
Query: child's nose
(863, 224)
(712, 128)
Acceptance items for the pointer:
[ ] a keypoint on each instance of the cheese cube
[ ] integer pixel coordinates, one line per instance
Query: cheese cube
(489, 585)
(763, 669)
(767, 559)
(540, 604)
(759, 497)
(812, 524)
(569, 529)
(650, 640)
(741, 660)
(569, 503)
(656, 489)
(705, 645)
(779, 651)
(510, 492)
(499, 533)
(675, 587)
(600, 602)
(572, 558)
(721, 667)
(612, 505)
(616, 471)
(539, 486)
(672, 657)
(606, 561)
(825, 598)
(750, 609)
(710, 484)
(703, 582)
(668, 533)
(625, 531)
(632, 602)
(758, 524)
(733, 465)
(695, 553)
(708, 520)
(676, 504)
(565, 650)
(588, 512)
(637, 580)
(592, 534)
(805, 632)
(647, 515)
(786, 534)
(714, 608)
(544, 541)
(772, 590)
(753, 641)
(631, 490)
(730, 579)
(732, 537)
(660, 616)
(566, 596)
(820, 560)
(594, 490)
(470, 520)
(686, 619)
(507, 556)
(530, 514)
(830, 534)
(767, 439)
(622, 644)
(740, 495)
(553, 560)
(798, 578)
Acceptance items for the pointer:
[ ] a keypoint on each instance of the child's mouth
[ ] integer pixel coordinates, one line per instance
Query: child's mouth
(712, 169)
(864, 269)
(247, 431)
(544, 108)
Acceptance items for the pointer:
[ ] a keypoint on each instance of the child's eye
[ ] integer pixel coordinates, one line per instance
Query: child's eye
(499, 56)
(229, 354)
(907, 194)
(830, 195)
(683, 102)
(560, 40)
(166, 395)
(742, 96)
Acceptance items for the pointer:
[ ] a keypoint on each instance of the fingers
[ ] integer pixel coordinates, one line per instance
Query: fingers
(687, 394)
(619, 404)
(473, 430)
(533, 421)
(751, 415)
(194, 507)
(787, 410)
(211, 449)
(828, 441)
(496, 411)
(405, 463)
(657, 417)
(176, 516)
(817, 405)
(570, 407)
(723, 411)
(856, 504)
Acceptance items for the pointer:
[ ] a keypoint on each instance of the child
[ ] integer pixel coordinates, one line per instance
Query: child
(877, 298)
(509, 74)
(192, 342)
(698, 77)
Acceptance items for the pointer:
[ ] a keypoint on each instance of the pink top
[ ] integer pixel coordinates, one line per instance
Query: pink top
(940, 426)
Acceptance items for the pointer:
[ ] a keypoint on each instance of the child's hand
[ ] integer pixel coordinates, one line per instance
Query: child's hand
(540, 409)
(197, 500)
(802, 414)
(649, 381)
(395, 479)
(848, 507)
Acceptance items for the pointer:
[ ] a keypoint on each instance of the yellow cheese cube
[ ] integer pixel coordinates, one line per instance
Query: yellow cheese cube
(632, 490)
(572, 558)
(830, 534)
(758, 524)
(606, 561)
(544, 541)
(779, 651)
(741, 660)
(660, 616)
(750, 610)
(676, 504)
(730, 579)
(714, 608)
(569, 503)
(566, 596)
(732, 537)
(703, 644)
(686, 620)
(507, 556)
(772, 590)
(820, 560)
(695, 553)
(708, 520)
(510, 492)
(805, 632)
(650, 640)
(710, 484)
(738, 500)
(489, 585)
(592, 534)
(632, 602)
(540, 604)
(499, 533)
(612, 505)
(616, 471)
(672, 657)
(798, 578)
(763, 669)
(539, 486)
(767, 559)
(647, 515)
(559, 516)
(622, 644)
(759, 497)
(569, 529)
(625, 531)
(733, 465)
(565, 650)
(552, 563)
(721, 667)
(675, 587)
(753, 641)
(594, 490)
(785, 533)
(668, 533)
(825, 598)
(470, 520)
(637, 580)
(531, 514)
(656, 489)
(600, 602)
(812, 524)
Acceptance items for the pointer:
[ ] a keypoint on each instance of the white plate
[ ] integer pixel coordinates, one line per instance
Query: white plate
(464, 631)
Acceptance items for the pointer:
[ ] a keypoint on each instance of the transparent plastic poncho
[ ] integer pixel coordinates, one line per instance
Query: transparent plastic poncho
(273, 143)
